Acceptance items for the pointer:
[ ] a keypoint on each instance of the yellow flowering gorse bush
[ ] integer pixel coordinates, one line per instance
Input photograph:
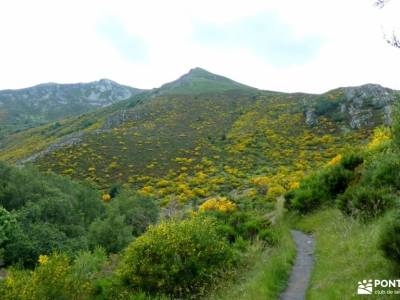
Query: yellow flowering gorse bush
(219, 204)
(336, 160)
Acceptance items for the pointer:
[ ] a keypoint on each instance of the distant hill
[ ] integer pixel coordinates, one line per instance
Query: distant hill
(200, 81)
(200, 125)
(28, 107)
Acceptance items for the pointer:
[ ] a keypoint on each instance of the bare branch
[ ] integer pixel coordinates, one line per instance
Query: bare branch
(394, 40)
(381, 3)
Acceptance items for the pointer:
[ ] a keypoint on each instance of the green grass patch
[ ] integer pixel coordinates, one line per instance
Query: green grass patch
(266, 275)
(346, 252)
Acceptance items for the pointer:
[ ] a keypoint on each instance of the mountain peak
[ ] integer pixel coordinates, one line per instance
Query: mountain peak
(199, 80)
(198, 71)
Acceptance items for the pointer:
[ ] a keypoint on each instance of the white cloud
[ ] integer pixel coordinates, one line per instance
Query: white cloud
(59, 41)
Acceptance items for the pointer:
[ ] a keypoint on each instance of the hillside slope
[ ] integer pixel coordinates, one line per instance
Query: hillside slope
(24, 108)
(201, 141)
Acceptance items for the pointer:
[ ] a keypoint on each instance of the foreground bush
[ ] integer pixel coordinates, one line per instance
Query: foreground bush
(383, 171)
(351, 161)
(243, 227)
(390, 237)
(52, 213)
(8, 226)
(127, 216)
(319, 188)
(55, 277)
(177, 258)
(365, 202)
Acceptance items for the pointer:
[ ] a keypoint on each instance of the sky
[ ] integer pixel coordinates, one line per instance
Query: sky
(283, 45)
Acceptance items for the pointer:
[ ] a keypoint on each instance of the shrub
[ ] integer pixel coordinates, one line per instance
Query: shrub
(308, 196)
(351, 161)
(139, 211)
(128, 215)
(221, 204)
(305, 199)
(55, 277)
(8, 226)
(176, 258)
(319, 188)
(336, 180)
(111, 233)
(52, 213)
(246, 225)
(383, 171)
(396, 123)
(390, 237)
(365, 202)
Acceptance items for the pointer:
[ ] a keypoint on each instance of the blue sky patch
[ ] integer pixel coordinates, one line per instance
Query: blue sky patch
(265, 35)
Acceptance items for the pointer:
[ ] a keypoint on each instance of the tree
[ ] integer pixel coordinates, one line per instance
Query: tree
(396, 123)
(393, 40)
(8, 225)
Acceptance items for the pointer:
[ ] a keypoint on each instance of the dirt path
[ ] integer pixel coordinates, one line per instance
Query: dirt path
(299, 279)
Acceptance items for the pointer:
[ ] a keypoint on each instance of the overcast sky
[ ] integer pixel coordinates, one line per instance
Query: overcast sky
(285, 45)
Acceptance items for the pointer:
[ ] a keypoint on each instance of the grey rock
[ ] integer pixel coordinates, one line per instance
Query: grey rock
(311, 117)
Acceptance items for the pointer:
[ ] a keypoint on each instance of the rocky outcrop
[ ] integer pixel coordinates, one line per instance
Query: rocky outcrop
(311, 117)
(364, 106)
(367, 104)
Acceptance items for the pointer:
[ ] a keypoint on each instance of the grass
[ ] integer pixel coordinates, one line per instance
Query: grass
(346, 252)
(267, 275)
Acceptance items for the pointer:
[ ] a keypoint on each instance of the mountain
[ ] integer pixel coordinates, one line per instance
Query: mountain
(200, 81)
(203, 134)
(28, 107)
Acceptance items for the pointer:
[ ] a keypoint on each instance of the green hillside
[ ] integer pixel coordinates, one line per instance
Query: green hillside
(37, 105)
(228, 130)
(177, 193)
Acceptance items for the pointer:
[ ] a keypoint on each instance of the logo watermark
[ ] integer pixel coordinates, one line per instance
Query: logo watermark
(379, 287)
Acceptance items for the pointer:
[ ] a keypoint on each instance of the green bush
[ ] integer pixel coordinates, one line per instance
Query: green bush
(396, 123)
(55, 277)
(139, 211)
(8, 226)
(305, 199)
(177, 258)
(335, 180)
(319, 188)
(127, 216)
(112, 233)
(390, 237)
(365, 202)
(52, 213)
(383, 171)
(351, 161)
(246, 225)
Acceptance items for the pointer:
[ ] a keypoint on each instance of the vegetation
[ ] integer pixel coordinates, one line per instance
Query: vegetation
(55, 277)
(42, 213)
(264, 273)
(368, 194)
(346, 251)
(177, 195)
(177, 258)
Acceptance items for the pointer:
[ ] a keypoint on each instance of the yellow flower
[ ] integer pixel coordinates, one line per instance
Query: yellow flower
(43, 259)
(294, 185)
(334, 161)
(381, 136)
(106, 197)
(217, 203)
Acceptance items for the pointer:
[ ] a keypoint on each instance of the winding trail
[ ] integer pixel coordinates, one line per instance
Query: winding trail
(301, 273)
